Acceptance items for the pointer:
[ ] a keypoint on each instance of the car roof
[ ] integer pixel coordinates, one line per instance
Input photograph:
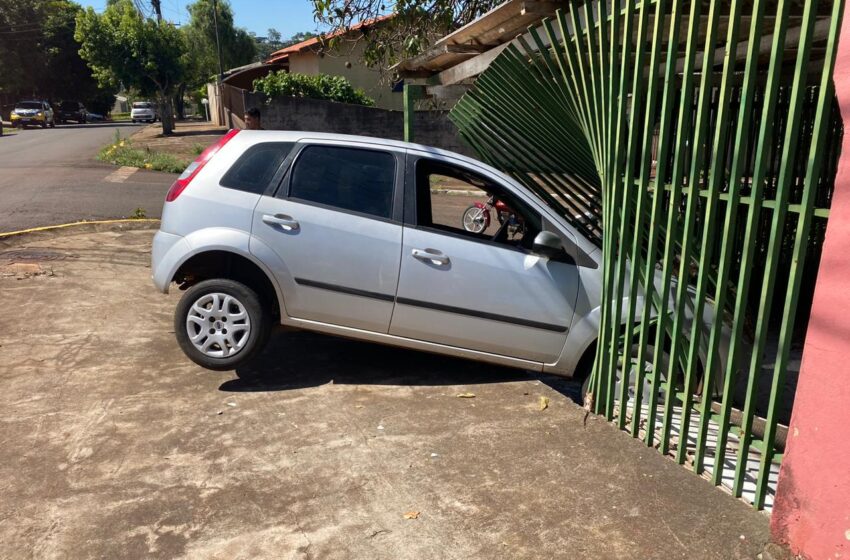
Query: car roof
(296, 135)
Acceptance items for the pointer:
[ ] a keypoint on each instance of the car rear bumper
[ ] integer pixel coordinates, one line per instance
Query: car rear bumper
(167, 252)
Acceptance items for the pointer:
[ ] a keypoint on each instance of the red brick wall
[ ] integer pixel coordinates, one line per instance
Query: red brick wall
(812, 509)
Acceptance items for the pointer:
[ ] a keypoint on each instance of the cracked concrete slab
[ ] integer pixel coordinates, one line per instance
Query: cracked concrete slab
(114, 445)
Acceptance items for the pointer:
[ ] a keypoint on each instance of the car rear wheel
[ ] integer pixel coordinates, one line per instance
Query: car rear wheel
(221, 324)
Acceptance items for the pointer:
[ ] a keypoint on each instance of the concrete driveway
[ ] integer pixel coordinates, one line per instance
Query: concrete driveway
(116, 446)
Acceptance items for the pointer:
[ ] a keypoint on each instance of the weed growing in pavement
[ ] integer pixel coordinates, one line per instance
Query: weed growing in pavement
(138, 214)
(197, 149)
(121, 152)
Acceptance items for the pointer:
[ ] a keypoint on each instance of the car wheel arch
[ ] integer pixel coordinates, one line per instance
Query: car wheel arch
(209, 263)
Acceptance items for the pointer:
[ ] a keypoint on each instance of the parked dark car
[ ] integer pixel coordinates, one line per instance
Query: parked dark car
(71, 111)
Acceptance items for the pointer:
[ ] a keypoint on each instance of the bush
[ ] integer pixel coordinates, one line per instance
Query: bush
(320, 86)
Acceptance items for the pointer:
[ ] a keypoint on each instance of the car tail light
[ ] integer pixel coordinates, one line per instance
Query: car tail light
(195, 167)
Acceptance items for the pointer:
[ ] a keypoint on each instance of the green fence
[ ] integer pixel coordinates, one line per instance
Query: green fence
(696, 144)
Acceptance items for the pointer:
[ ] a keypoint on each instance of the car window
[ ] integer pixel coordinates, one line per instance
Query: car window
(256, 167)
(455, 200)
(352, 179)
(28, 105)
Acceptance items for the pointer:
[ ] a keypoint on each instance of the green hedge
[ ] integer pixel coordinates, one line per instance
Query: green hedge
(319, 86)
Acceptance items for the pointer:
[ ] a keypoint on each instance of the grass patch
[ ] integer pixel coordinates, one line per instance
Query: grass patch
(122, 152)
(7, 131)
(120, 116)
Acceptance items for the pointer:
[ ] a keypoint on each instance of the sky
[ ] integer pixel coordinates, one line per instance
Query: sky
(287, 16)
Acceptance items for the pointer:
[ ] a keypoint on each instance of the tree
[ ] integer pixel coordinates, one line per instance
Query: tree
(415, 25)
(237, 45)
(40, 57)
(273, 41)
(122, 46)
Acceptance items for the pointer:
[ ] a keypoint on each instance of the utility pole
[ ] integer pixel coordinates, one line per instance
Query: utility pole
(217, 42)
(220, 93)
(157, 8)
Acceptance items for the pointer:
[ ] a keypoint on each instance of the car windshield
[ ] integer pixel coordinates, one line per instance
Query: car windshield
(141, 105)
(69, 105)
(28, 105)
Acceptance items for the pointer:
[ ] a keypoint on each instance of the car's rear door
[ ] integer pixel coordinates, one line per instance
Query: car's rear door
(468, 290)
(335, 223)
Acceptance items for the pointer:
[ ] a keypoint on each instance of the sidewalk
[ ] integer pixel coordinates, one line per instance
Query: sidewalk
(115, 445)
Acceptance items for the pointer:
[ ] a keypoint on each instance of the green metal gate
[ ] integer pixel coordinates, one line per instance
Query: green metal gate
(696, 144)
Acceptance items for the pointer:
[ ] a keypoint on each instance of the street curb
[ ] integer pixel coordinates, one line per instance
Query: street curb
(94, 225)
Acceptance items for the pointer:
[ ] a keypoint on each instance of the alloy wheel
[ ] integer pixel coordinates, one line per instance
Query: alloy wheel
(218, 325)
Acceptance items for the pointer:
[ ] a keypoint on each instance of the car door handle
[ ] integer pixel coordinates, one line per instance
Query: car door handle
(431, 255)
(282, 220)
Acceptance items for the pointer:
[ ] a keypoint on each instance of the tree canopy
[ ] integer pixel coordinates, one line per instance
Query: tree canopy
(237, 45)
(274, 41)
(416, 24)
(123, 46)
(39, 56)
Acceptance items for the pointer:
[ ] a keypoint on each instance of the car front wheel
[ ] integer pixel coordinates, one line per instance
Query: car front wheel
(221, 324)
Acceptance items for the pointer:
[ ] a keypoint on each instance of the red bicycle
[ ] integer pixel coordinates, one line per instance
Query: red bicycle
(476, 218)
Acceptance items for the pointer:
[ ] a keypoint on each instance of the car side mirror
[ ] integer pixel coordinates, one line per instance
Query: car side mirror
(548, 244)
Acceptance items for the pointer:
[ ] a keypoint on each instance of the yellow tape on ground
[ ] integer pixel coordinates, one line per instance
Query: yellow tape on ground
(71, 224)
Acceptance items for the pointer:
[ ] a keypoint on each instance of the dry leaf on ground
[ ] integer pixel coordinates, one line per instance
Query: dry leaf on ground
(466, 395)
(411, 515)
(544, 403)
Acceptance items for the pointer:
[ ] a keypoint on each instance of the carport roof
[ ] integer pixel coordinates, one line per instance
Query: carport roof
(465, 53)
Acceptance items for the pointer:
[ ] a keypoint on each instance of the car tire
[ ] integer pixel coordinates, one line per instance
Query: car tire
(475, 219)
(204, 314)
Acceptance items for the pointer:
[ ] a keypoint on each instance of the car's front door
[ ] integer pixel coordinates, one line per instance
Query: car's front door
(481, 290)
(334, 226)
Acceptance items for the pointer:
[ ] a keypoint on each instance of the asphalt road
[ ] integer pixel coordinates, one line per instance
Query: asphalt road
(50, 176)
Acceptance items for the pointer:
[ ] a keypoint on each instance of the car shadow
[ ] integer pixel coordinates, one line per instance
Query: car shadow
(300, 359)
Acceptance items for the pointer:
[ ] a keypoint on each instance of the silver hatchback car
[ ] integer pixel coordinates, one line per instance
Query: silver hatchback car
(377, 240)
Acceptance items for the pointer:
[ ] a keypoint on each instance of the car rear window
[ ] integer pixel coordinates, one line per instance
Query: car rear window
(141, 105)
(256, 167)
(347, 178)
